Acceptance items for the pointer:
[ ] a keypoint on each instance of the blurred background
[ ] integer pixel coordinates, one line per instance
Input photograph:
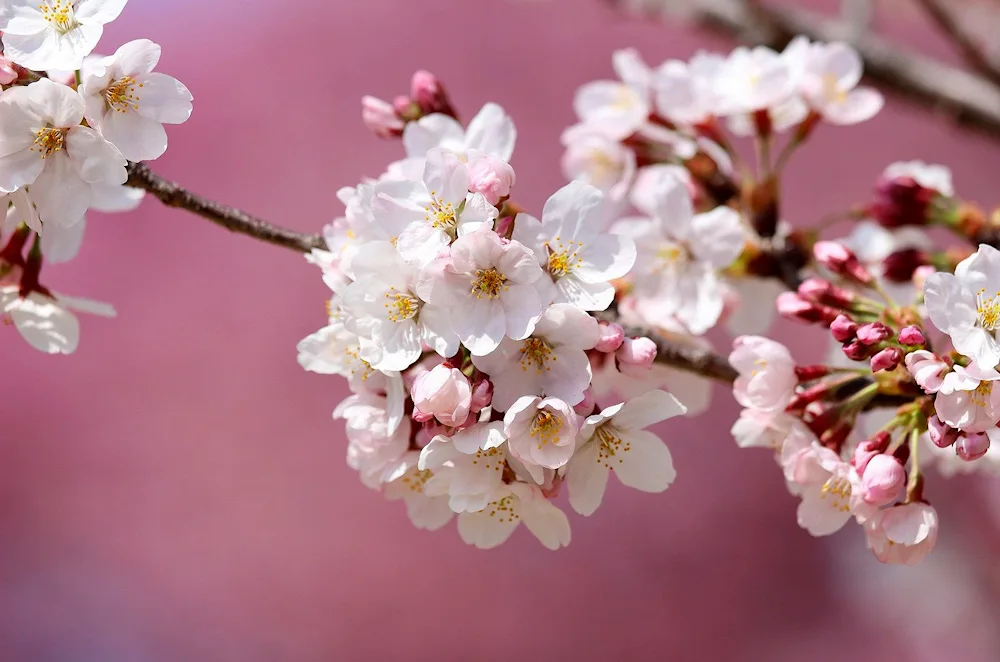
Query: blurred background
(177, 490)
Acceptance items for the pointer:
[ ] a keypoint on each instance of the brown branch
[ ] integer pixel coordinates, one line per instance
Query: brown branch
(969, 99)
(960, 37)
(234, 220)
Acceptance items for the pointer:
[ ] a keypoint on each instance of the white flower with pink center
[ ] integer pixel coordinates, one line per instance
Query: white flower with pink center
(406, 481)
(541, 432)
(394, 324)
(753, 79)
(829, 83)
(616, 440)
(423, 217)
(551, 362)
(467, 467)
(767, 377)
(507, 508)
(595, 159)
(927, 369)
(377, 439)
(569, 241)
(686, 92)
(966, 305)
(491, 288)
(969, 398)
(763, 429)
(617, 109)
(904, 534)
(54, 34)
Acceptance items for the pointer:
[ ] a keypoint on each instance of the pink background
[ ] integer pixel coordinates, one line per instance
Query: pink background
(176, 490)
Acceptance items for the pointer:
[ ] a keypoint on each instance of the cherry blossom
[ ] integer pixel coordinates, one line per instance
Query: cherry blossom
(905, 534)
(129, 103)
(617, 109)
(616, 439)
(406, 482)
(54, 34)
(491, 132)
(967, 400)
(829, 84)
(767, 373)
(508, 507)
(46, 321)
(541, 432)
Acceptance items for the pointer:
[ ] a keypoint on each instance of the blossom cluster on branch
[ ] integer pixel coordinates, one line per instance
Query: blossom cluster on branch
(499, 358)
(69, 123)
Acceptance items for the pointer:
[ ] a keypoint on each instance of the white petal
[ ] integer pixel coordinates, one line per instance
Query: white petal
(96, 160)
(648, 409)
(483, 531)
(586, 479)
(164, 99)
(431, 131)
(647, 466)
(137, 57)
(45, 325)
(492, 131)
(137, 138)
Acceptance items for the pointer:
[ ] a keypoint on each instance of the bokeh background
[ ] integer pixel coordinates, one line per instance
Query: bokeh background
(176, 490)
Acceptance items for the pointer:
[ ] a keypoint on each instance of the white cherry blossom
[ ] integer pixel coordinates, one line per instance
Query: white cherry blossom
(968, 398)
(615, 439)
(688, 92)
(541, 432)
(424, 217)
(490, 132)
(491, 288)
(830, 85)
(406, 482)
(54, 34)
(508, 507)
(376, 440)
(767, 377)
(570, 243)
(904, 534)
(551, 362)
(129, 103)
(467, 467)
(43, 146)
(47, 322)
(617, 108)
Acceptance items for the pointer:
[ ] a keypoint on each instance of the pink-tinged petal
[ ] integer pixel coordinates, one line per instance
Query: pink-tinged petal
(549, 524)
(59, 103)
(646, 465)
(19, 169)
(573, 213)
(428, 513)
(522, 308)
(435, 322)
(613, 108)
(99, 11)
(95, 159)
(586, 479)
(843, 62)
(609, 257)
(420, 243)
(137, 57)
(718, 236)
(978, 344)
(674, 212)
(136, 137)
(518, 264)
(631, 68)
(948, 304)
(476, 250)
(648, 409)
(60, 194)
(445, 177)
(564, 324)
(435, 130)
(858, 106)
(164, 99)
(527, 231)
(484, 531)
(481, 326)
(478, 214)
(822, 514)
(491, 131)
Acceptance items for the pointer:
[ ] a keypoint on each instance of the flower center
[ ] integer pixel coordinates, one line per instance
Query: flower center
(440, 214)
(563, 259)
(416, 480)
(838, 489)
(832, 89)
(534, 352)
(120, 94)
(401, 305)
(611, 446)
(604, 170)
(59, 13)
(624, 98)
(491, 458)
(670, 257)
(981, 396)
(489, 283)
(49, 140)
(988, 310)
(545, 428)
(503, 509)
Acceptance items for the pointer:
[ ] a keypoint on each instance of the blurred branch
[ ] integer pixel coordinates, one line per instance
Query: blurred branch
(972, 51)
(234, 220)
(969, 99)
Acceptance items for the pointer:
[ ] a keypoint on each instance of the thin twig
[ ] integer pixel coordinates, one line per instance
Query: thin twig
(969, 99)
(972, 51)
(235, 220)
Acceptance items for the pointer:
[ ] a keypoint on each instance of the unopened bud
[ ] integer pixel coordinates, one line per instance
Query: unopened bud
(428, 93)
(941, 434)
(873, 333)
(840, 260)
(899, 266)
(856, 350)
(380, 117)
(822, 291)
(912, 335)
(792, 306)
(883, 481)
(843, 328)
(612, 337)
(586, 406)
(901, 201)
(863, 454)
(482, 395)
(887, 359)
(637, 352)
(972, 446)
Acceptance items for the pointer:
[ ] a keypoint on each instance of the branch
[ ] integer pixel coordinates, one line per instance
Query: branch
(235, 220)
(969, 99)
(971, 50)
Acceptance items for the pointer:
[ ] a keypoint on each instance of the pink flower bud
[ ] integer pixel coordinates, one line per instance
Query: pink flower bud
(883, 480)
(421, 417)
(444, 393)
(843, 328)
(380, 117)
(856, 351)
(428, 93)
(901, 201)
(887, 359)
(972, 445)
(612, 337)
(840, 260)
(823, 291)
(921, 274)
(807, 373)
(941, 434)
(586, 406)
(899, 266)
(912, 335)
(792, 306)
(490, 176)
(638, 352)
(863, 454)
(482, 395)
(8, 74)
(873, 333)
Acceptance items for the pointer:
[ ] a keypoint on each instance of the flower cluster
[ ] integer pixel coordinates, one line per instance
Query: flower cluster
(69, 123)
(468, 331)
